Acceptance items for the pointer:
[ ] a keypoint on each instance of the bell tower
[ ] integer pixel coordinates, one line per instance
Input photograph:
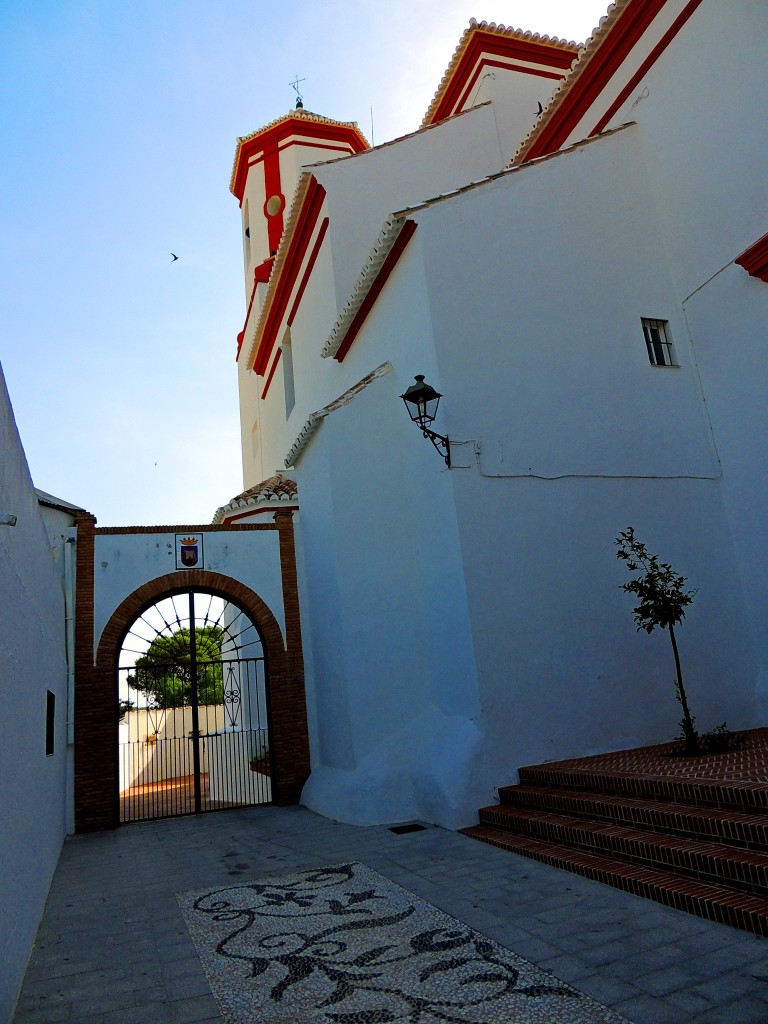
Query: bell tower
(267, 167)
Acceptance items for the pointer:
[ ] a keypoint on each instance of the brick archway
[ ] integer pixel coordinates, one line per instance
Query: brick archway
(96, 772)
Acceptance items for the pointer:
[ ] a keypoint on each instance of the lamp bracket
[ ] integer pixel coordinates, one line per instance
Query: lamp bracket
(440, 443)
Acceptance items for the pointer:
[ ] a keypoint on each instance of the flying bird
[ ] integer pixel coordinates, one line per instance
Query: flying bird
(175, 257)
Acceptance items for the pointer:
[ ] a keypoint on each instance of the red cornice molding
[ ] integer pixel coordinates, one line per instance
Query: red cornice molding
(599, 68)
(289, 272)
(755, 259)
(492, 45)
(295, 128)
(386, 268)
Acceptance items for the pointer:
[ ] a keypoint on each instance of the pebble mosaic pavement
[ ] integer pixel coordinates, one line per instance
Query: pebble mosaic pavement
(113, 946)
(344, 945)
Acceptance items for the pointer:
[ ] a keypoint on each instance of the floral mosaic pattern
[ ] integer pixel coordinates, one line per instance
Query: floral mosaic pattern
(343, 945)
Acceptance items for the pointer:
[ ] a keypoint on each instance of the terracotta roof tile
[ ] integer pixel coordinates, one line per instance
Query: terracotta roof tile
(275, 488)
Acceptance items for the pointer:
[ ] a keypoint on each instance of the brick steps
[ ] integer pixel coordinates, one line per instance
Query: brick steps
(712, 862)
(742, 796)
(714, 902)
(740, 829)
(696, 844)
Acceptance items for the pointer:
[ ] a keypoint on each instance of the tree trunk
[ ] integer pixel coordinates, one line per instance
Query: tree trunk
(689, 730)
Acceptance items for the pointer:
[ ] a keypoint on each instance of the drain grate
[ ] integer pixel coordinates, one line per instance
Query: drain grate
(401, 830)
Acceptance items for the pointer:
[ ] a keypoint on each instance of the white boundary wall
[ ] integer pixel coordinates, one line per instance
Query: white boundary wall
(32, 662)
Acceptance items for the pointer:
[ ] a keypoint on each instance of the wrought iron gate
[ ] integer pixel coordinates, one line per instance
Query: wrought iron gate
(196, 737)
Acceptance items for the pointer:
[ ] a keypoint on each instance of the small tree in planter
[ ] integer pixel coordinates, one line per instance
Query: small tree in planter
(663, 600)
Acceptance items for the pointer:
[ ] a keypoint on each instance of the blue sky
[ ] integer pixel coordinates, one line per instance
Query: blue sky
(119, 120)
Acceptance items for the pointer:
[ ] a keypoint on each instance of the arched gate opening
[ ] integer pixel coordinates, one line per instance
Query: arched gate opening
(278, 682)
(194, 730)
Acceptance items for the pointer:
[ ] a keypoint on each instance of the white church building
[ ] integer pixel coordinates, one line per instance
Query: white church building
(572, 250)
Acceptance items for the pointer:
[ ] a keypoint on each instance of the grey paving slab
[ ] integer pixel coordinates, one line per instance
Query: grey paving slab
(113, 948)
(649, 1010)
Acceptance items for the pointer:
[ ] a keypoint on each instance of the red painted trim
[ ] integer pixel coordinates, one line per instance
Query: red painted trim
(273, 193)
(316, 145)
(406, 233)
(251, 150)
(261, 273)
(645, 67)
(271, 373)
(626, 32)
(260, 276)
(498, 46)
(557, 75)
(346, 150)
(755, 259)
(272, 188)
(260, 512)
(299, 243)
(308, 270)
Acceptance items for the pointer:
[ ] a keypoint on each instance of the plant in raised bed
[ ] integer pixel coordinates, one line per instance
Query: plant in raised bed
(662, 600)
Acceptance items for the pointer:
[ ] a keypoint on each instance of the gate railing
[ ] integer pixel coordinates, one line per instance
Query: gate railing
(178, 756)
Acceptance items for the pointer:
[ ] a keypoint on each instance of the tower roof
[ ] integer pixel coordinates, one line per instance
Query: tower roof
(299, 122)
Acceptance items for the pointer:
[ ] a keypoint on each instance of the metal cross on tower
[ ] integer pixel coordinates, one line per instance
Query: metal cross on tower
(299, 98)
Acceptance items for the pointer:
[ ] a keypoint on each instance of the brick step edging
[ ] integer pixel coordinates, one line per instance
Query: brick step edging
(737, 795)
(716, 903)
(743, 830)
(713, 862)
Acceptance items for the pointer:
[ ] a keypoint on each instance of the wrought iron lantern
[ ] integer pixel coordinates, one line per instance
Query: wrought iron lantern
(421, 401)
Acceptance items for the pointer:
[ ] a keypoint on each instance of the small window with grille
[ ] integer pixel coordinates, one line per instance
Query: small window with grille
(658, 342)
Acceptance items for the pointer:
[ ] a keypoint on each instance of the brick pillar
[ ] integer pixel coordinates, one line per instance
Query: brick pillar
(288, 702)
(96, 799)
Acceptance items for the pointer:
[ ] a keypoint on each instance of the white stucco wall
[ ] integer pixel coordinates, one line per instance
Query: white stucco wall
(32, 661)
(704, 141)
(527, 315)
(251, 425)
(727, 323)
(395, 724)
(521, 300)
(705, 138)
(363, 190)
(391, 692)
(516, 97)
(126, 561)
(541, 353)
